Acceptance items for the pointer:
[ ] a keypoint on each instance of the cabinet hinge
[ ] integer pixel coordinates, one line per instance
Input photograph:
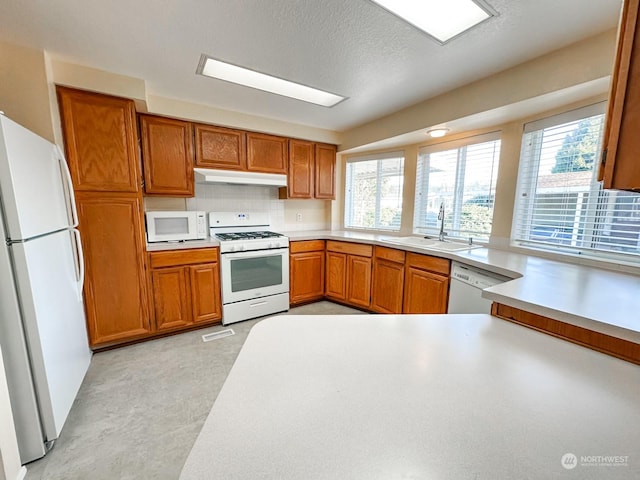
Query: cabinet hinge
(603, 160)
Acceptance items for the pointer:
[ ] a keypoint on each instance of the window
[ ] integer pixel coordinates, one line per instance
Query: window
(559, 202)
(374, 191)
(461, 176)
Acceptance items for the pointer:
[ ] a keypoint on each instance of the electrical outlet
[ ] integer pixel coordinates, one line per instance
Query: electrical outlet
(298, 217)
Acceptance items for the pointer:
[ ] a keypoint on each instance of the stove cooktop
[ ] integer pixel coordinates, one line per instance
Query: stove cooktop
(226, 237)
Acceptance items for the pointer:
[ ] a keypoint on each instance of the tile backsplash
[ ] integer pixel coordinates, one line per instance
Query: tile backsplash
(284, 214)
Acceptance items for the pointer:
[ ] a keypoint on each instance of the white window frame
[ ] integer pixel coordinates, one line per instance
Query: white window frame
(348, 202)
(596, 210)
(461, 145)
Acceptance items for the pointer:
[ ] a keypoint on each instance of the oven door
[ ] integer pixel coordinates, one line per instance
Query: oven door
(249, 275)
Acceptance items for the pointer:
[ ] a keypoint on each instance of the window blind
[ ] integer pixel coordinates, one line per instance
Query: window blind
(373, 198)
(461, 176)
(559, 202)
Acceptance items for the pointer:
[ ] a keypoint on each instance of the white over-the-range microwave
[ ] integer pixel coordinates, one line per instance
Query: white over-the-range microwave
(176, 226)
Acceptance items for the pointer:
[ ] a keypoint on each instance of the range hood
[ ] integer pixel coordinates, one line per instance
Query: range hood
(210, 176)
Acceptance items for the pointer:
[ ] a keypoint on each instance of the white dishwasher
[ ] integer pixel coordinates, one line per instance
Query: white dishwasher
(467, 283)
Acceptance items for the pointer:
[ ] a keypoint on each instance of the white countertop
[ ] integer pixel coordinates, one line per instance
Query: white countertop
(160, 246)
(600, 300)
(417, 397)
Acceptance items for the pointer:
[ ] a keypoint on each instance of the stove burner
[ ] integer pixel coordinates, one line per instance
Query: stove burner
(246, 235)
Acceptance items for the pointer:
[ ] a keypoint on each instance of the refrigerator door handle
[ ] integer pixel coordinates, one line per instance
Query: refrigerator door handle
(72, 197)
(80, 256)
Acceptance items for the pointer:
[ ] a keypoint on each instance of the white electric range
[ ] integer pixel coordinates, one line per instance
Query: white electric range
(254, 265)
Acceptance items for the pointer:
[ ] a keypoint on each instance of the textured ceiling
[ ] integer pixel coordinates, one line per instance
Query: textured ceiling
(353, 48)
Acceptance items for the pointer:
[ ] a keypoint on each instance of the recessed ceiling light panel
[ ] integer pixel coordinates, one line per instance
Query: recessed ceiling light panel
(211, 67)
(440, 19)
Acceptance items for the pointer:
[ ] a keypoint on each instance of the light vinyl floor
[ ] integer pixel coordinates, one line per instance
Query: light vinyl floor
(141, 407)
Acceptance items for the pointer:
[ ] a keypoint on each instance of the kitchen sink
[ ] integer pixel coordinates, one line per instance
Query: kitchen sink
(429, 243)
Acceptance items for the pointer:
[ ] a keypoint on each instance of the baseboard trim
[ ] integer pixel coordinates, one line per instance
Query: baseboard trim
(22, 473)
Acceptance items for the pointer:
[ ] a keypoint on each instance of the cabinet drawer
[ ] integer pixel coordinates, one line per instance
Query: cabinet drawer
(390, 254)
(425, 262)
(350, 248)
(306, 246)
(183, 257)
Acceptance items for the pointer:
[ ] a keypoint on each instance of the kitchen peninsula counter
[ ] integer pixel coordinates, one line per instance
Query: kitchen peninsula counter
(417, 396)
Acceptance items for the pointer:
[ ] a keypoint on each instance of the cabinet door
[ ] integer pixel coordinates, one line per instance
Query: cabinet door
(205, 292)
(218, 147)
(325, 175)
(359, 281)
(267, 153)
(621, 141)
(100, 141)
(307, 276)
(115, 282)
(300, 179)
(388, 286)
(336, 276)
(167, 156)
(170, 299)
(425, 292)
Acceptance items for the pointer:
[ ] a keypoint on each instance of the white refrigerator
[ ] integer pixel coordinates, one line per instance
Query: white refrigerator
(43, 333)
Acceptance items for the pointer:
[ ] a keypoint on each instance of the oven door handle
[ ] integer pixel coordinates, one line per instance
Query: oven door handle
(273, 252)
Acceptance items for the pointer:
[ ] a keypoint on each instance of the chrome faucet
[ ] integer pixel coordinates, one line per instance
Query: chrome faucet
(441, 218)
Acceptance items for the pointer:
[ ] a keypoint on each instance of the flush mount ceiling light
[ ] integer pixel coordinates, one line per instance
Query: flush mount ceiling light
(437, 132)
(211, 67)
(440, 19)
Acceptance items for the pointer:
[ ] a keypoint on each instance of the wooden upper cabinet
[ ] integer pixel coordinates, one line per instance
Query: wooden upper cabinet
(325, 175)
(620, 168)
(218, 147)
(300, 180)
(311, 171)
(100, 141)
(267, 153)
(167, 156)
(115, 281)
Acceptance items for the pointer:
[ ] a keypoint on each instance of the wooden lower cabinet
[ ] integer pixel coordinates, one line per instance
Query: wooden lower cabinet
(348, 273)
(186, 288)
(306, 271)
(388, 280)
(359, 281)
(205, 279)
(170, 301)
(600, 342)
(380, 279)
(115, 290)
(426, 284)
(336, 276)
